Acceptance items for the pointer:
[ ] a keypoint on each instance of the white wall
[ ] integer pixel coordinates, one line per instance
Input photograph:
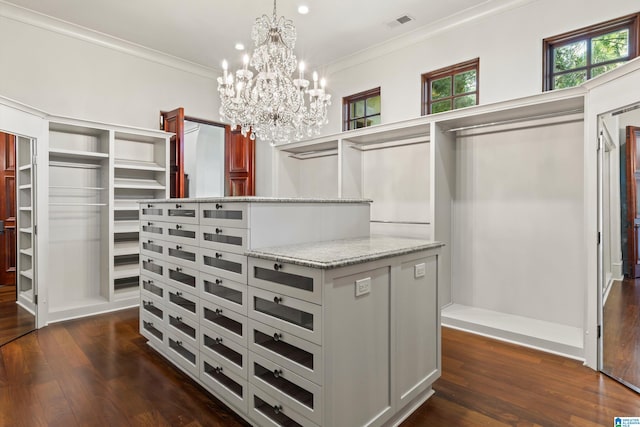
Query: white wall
(509, 45)
(70, 76)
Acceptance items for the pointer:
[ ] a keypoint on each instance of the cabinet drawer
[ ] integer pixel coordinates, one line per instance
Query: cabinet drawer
(227, 323)
(224, 292)
(181, 302)
(224, 264)
(183, 233)
(266, 410)
(292, 390)
(182, 213)
(231, 354)
(153, 307)
(182, 327)
(182, 254)
(152, 247)
(224, 238)
(183, 354)
(152, 211)
(224, 214)
(152, 230)
(297, 317)
(152, 267)
(182, 278)
(151, 287)
(293, 280)
(289, 351)
(152, 329)
(223, 383)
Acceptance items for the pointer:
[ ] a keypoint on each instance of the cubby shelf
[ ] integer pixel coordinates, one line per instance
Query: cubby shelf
(137, 184)
(138, 165)
(76, 154)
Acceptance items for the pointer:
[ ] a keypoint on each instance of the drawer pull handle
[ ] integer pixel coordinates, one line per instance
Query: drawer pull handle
(218, 230)
(178, 269)
(149, 224)
(218, 206)
(149, 282)
(179, 343)
(178, 247)
(178, 294)
(218, 255)
(178, 226)
(218, 282)
(149, 260)
(277, 373)
(218, 340)
(277, 337)
(277, 267)
(277, 409)
(277, 300)
(149, 324)
(178, 206)
(148, 303)
(150, 242)
(218, 311)
(149, 205)
(217, 369)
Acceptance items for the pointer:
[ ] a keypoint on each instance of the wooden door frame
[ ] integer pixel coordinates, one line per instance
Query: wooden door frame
(11, 202)
(632, 200)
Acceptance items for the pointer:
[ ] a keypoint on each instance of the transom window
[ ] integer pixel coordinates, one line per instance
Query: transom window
(361, 110)
(450, 88)
(573, 58)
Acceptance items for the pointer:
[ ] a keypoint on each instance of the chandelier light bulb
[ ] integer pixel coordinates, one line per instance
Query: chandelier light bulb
(323, 83)
(266, 101)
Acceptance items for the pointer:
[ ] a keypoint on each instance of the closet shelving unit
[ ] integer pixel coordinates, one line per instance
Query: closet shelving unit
(96, 173)
(25, 221)
(439, 177)
(140, 172)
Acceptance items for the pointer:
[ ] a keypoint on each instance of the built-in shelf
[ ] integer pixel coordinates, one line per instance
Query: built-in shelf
(71, 187)
(27, 230)
(24, 167)
(76, 154)
(127, 226)
(125, 271)
(27, 273)
(77, 204)
(25, 209)
(25, 187)
(126, 247)
(138, 184)
(137, 165)
(28, 251)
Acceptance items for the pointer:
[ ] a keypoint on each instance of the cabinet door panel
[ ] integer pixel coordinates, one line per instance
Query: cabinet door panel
(417, 333)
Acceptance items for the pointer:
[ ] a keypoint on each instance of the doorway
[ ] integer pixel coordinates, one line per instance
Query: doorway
(620, 223)
(15, 317)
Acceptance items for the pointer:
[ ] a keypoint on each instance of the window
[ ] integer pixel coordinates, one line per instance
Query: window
(450, 88)
(361, 110)
(574, 57)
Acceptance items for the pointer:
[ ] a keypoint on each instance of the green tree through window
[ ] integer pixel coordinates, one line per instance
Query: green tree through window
(575, 57)
(450, 88)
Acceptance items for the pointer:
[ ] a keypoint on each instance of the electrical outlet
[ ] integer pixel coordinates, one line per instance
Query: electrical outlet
(419, 270)
(363, 286)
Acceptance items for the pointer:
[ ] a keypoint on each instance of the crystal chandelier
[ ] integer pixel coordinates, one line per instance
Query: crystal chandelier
(271, 105)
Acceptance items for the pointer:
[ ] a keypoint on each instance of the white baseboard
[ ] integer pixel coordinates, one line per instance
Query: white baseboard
(550, 337)
(616, 271)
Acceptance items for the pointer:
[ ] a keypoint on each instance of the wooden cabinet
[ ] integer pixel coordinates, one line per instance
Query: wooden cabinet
(288, 344)
(25, 220)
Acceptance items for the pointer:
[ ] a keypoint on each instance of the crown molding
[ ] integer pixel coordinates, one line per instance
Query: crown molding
(489, 7)
(39, 20)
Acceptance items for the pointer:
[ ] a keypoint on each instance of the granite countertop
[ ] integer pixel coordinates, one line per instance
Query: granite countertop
(341, 253)
(255, 199)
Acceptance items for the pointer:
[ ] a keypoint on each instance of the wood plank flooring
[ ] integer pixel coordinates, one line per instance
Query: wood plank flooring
(15, 321)
(621, 326)
(99, 371)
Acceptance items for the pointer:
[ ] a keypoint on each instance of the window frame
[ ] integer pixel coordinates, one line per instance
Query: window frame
(348, 100)
(632, 22)
(427, 78)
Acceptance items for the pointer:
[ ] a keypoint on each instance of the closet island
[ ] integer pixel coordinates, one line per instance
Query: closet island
(288, 310)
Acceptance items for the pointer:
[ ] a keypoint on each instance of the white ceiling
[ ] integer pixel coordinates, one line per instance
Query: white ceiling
(205, 31)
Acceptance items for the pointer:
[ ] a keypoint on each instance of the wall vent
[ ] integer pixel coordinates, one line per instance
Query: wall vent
(400, 21)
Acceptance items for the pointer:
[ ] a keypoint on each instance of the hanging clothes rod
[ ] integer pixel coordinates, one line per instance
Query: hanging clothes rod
(378, 221)
(390, 144)
(518, 120)
(315, 154)
(626, 110)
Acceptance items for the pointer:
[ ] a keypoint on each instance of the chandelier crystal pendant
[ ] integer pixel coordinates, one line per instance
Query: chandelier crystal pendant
(271, 105)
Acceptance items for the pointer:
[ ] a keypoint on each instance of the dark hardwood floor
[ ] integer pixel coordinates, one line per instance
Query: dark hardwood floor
(98, 371)
(621, 336)
(15, 321)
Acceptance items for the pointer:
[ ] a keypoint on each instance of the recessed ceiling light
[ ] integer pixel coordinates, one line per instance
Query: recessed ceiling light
(239, 46)
(303, 10)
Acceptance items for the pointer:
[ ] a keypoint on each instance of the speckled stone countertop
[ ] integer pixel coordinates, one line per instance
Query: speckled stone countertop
(341, 253)
(255, 199)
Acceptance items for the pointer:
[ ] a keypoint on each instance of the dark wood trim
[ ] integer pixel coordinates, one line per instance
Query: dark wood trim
(173, 121)
(347, 100)
(632, 21)
(204, 121)
(472, 64)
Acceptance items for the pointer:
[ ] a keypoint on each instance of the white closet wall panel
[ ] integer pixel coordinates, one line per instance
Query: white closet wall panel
(518, 222)
(319, 177)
